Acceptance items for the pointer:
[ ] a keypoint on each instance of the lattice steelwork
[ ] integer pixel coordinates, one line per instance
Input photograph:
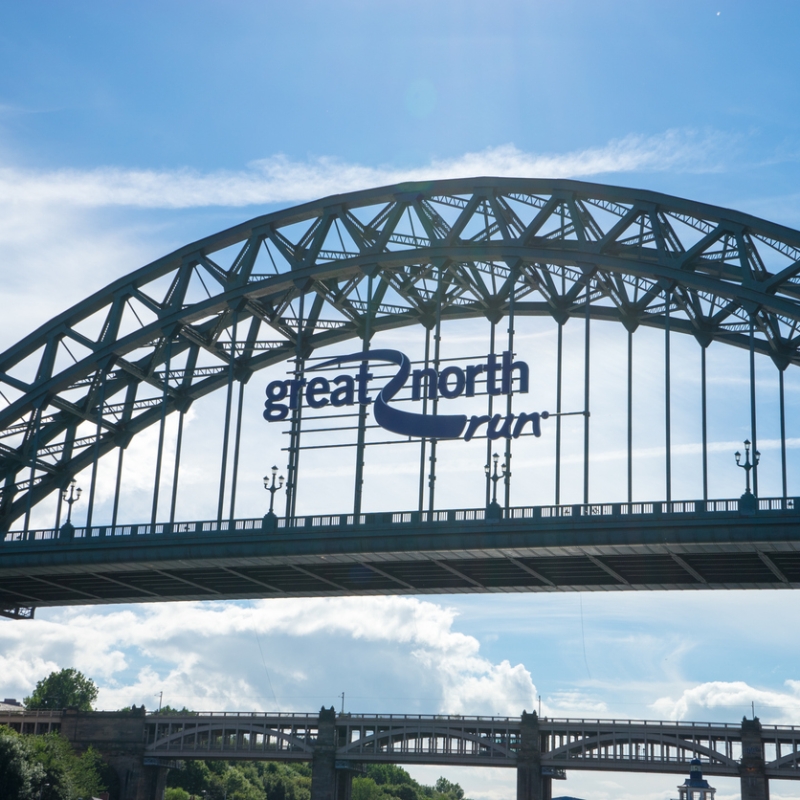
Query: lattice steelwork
(284, 285)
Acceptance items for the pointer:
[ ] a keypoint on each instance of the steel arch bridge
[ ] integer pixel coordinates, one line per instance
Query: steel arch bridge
(288, 285)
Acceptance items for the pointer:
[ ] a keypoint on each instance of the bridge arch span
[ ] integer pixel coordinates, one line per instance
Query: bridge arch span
(669, 748)
(291, 283)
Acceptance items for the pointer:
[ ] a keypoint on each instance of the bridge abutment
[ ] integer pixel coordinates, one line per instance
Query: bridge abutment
(531, 785)
(119, 737)
(752, 770)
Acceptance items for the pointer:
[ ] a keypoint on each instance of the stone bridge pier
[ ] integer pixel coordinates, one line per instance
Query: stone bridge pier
(329, 780)
(752, 771)
(531, 784)
(119, 738)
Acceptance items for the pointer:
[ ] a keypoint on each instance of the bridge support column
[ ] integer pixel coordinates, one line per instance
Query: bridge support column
(344, 784)
(323, 762)
(530, 783)
(752, 772)
(138, 782)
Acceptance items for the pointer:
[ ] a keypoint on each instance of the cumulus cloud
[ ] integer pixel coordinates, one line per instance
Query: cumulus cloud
(280, 179)
(208, 655)
(770, 705)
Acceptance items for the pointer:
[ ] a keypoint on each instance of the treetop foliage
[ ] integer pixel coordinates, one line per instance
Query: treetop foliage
(389, 782)
(67, 688)
(273, 780)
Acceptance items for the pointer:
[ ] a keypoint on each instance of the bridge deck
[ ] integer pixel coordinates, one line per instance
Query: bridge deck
(688, 545)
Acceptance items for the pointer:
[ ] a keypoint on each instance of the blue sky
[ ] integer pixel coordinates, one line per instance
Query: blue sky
(127, 130)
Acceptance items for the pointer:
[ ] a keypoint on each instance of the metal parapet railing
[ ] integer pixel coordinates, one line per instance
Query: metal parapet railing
(782, 505)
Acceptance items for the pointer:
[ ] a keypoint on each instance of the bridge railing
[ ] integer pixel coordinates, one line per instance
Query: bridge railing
(347, 716)
(24, 712)
(156, 716)
(570, 512)
(458, 719)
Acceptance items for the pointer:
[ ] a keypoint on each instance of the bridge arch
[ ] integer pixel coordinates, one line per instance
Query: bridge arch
(221, 737)
(291, 283)
(602, 747)
(453, 739)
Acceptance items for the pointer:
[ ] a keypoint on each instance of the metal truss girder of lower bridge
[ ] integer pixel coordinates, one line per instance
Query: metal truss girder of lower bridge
(676, 547)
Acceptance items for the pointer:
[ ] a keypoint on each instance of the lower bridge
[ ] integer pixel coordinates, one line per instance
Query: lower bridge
(142, 747)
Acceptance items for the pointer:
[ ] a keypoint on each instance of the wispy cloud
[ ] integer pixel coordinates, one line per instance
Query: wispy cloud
(279, 179)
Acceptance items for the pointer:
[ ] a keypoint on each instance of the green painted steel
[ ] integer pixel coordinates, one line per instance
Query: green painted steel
(293, 282)
(722, 267)
(591, 548)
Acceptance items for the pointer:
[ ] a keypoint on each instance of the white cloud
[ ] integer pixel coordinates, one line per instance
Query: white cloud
(279, 179)
(770, 705)
(204, 655)
(575, 704)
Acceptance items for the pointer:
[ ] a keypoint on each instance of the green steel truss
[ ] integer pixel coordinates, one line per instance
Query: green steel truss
(294, 281)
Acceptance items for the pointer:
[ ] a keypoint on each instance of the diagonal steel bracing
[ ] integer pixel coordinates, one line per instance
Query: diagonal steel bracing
(86, 383)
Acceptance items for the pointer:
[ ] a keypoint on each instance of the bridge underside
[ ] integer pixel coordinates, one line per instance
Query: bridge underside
(697, 551)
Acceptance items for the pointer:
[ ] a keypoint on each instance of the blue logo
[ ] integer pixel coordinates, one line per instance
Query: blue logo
(451, 382)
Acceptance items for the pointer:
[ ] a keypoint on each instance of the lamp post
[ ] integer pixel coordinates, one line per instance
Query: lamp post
(748, 501)
(68, 529)
(494, 511)
(272, 483)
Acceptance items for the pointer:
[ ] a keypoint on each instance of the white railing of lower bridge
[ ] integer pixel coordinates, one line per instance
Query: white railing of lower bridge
(550, 513)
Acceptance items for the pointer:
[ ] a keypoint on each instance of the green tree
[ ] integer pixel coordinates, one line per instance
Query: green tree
(448, 789)
(272, 780)
(20, 776)
(65, 689)
(257, 780)
(388, 774)
(366, 789)
(170, 711)
(67, 774)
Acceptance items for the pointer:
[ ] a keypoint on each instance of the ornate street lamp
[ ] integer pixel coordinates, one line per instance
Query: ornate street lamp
(272, 484)
(68, 529)
(747, 466)
(494, 511)
(748, 501)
